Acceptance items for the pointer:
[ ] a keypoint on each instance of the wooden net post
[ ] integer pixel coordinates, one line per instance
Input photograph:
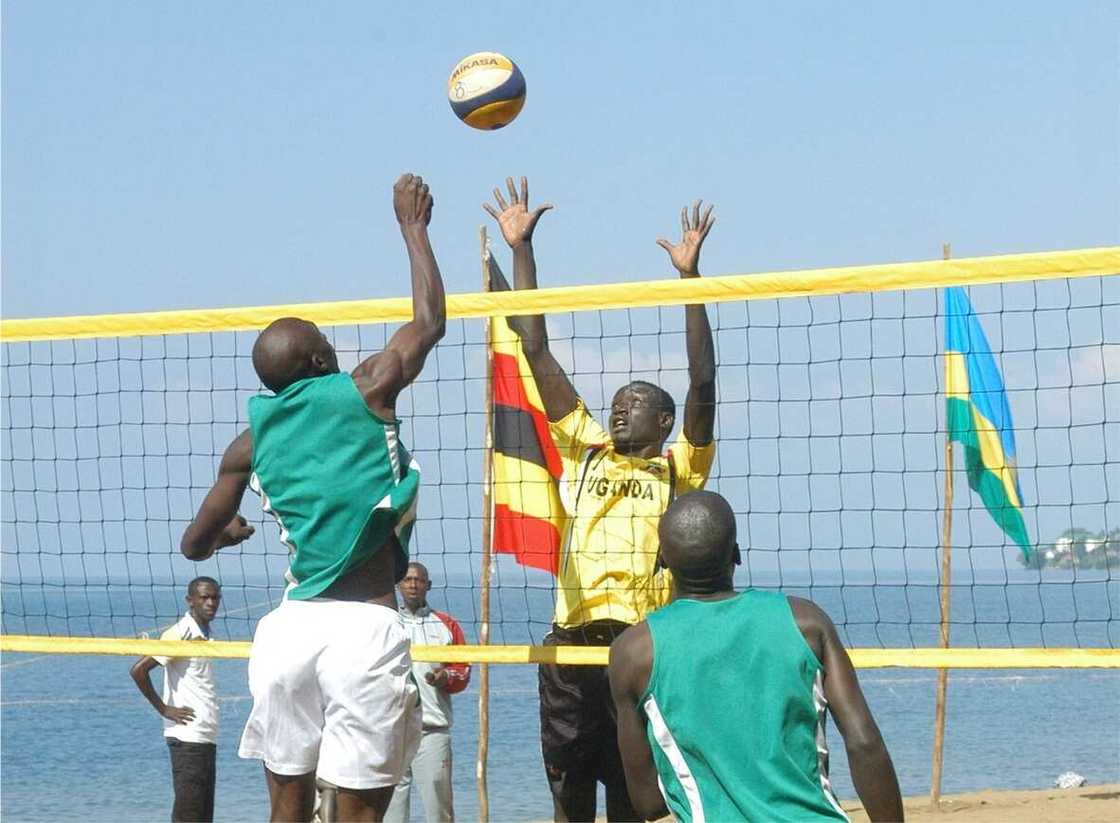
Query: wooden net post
(484, 583)
(946, 602)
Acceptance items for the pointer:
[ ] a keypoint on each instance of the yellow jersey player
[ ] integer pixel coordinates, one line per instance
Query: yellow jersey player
(616, 484)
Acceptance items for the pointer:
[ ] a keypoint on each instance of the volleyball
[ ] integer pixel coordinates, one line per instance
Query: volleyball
(486, 90)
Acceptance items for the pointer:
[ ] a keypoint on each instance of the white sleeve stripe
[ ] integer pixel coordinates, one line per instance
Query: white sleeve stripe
(820, 703)
(671, 750)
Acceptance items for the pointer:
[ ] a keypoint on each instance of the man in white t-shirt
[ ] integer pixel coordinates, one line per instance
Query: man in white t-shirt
(189, 705)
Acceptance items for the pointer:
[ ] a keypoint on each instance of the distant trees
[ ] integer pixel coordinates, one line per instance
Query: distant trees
(1078, 548)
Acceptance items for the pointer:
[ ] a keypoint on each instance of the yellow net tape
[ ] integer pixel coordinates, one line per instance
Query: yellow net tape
(581, 655)
(965, 271)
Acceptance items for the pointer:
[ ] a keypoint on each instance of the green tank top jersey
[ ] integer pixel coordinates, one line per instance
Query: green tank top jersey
(333, 475)
(735, 712)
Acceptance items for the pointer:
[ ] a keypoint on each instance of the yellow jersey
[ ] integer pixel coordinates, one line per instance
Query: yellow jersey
(608, 563)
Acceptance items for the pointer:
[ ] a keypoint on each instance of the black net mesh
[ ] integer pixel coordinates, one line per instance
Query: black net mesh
(830, 431)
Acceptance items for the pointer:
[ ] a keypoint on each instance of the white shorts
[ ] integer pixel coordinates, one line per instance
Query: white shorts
(333, 693)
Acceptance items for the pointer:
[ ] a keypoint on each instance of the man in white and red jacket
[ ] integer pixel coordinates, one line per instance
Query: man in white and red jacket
(431, 768)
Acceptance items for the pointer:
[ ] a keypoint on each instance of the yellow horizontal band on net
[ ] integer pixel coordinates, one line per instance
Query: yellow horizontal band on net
(1010, 268)
(580, 655)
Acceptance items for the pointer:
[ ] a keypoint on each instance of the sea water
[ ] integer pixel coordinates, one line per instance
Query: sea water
(78, 741)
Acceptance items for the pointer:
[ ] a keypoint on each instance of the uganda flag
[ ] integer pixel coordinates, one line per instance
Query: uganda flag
(529, 519)
(980, 419)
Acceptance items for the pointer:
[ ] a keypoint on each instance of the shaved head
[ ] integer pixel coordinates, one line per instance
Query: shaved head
(697, 535)
(292, 349)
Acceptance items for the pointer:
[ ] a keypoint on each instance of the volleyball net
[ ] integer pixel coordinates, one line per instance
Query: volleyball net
(830, 431)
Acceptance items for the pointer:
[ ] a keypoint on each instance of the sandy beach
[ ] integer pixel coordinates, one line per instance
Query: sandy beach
(1089, 803)
(1093, 804)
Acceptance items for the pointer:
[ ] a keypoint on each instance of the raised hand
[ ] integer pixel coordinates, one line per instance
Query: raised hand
(237, 531)
(515, 219)
(686, 254)
(178, 714)
(412, 202)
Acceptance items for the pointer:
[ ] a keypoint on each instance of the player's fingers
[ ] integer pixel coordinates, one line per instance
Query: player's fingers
(512, 190)
(707, 228)
(684, 219)
(707, 216)
(524, 190)
(486, 207)
(500, 200)
(665, 244)
(541, 209)
(696, 214)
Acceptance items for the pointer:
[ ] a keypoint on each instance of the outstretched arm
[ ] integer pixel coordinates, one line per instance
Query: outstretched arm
(872, 770)
(517, 224)
(631, 659)
(381, 377)
(217, 523)
(700, 406)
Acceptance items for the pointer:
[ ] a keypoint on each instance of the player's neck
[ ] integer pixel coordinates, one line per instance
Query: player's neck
(202, 622)
(725, 594)
(645, 452)
(719, 587)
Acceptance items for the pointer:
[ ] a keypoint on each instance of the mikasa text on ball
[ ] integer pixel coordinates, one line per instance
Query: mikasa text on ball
(486, 90)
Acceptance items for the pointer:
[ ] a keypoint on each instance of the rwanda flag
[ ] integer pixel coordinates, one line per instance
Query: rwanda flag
(980, 419)
(529, 518)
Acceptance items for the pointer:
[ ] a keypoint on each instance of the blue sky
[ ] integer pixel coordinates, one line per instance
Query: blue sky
(163, 155)
(166, 155)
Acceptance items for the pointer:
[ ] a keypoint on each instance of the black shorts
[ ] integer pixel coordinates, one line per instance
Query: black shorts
(193, 771)
(578, 732)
